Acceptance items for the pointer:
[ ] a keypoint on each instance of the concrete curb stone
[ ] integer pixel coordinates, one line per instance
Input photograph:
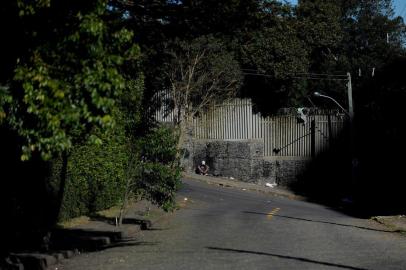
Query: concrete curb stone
(96, 237)
(34, 261)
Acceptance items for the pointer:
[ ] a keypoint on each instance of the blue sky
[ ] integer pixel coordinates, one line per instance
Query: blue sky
(399, 5)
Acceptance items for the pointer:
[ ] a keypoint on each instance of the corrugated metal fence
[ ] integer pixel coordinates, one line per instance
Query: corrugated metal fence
(282, 134)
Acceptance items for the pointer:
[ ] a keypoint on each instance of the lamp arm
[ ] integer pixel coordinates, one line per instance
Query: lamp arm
(339, 105)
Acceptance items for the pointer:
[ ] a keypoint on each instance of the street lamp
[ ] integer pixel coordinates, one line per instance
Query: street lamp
(317, 94)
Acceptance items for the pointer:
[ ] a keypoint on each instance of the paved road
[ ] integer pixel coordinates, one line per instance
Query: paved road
(224, 228)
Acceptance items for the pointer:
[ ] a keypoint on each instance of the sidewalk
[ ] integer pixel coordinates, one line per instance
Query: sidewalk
(234, 183)
(396, 223)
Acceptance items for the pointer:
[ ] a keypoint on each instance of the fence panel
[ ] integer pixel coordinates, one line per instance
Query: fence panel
(282, 134)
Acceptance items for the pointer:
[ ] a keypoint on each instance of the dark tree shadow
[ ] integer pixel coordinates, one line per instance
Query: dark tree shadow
(25, 201)
(378, 185)
(320, 221)
(92, 240)
(145, 224)
(300, 259)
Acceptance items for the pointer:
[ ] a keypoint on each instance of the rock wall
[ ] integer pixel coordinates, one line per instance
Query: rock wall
(284, 170)
(244, 160)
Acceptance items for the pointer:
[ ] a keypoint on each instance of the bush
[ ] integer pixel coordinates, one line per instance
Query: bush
(159, 176)
(95, 176)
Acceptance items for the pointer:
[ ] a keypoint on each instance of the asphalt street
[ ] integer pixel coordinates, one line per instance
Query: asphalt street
(226, 228)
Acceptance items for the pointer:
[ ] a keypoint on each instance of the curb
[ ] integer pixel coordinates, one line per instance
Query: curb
(72, 242)
(36, 261)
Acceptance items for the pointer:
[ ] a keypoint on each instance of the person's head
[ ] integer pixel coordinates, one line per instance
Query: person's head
(203, 162)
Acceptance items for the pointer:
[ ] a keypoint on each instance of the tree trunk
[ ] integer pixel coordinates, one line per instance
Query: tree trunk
(62, 185)
(130, 175)
(124, 205)
(183, 129)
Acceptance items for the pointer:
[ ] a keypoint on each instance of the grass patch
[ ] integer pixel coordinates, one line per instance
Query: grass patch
(112, 212)
(74, 222)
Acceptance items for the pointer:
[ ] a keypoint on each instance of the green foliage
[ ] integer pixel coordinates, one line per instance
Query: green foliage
(130, 104)
(5, 98)
(319, 25)
(95, 174)
(31, 7)
(68, 84)
(159, 171)
(276, 51)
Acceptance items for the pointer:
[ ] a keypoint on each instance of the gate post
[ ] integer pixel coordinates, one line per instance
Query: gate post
(330, 130)
(313, 137)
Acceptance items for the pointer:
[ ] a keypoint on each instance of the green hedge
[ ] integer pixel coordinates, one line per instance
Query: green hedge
(96, 175)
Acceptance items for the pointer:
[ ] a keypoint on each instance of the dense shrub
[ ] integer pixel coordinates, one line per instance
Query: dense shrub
(95, 176)
(159, 176)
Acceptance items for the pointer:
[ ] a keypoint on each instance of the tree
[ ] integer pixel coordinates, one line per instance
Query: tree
(271, 55)
(199, 73)
(356, 36)
(69, 83)
(67, 78)
(319, 26)
(373, 37)
(277, 54)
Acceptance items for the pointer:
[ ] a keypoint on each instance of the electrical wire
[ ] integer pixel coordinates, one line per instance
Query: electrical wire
(254, 72)
(297, 77)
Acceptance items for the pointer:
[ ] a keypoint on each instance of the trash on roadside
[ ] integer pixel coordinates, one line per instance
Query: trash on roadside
(271, 185)
(232, 178)
(185, 199)
(244, 189)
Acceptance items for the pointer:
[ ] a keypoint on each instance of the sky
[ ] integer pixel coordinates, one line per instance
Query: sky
(399, 6)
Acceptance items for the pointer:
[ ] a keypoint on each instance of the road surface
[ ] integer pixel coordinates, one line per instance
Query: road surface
(225, 228)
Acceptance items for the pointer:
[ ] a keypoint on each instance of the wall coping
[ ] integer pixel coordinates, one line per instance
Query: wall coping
(286, 158)
(228, 140)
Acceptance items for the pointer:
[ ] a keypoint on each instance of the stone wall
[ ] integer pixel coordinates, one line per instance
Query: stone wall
(244, 160)
(284, 170)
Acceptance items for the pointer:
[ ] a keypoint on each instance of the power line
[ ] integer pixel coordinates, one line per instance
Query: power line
(299, 77)
(257, 72)
(321, 79)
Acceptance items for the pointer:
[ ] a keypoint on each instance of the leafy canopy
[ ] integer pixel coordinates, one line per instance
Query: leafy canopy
(67, 85)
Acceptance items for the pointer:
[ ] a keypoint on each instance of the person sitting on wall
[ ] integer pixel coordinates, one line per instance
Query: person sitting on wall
(202, 169)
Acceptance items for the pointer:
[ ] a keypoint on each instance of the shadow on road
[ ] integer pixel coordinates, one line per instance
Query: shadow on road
(319, 221)
(144, 223)
(285, 257)
(91, 240)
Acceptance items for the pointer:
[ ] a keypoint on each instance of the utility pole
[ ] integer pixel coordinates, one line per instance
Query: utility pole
(350, 104)
(354, 160)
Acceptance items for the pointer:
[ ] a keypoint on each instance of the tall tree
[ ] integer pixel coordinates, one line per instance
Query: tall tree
(199, 73)
(356, 36)
(64, 76)
(67, 78)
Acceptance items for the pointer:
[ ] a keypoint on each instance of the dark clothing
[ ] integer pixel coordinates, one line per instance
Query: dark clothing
(202, 169)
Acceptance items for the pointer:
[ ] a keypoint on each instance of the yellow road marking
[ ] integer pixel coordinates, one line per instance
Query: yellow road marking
(272, 213)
